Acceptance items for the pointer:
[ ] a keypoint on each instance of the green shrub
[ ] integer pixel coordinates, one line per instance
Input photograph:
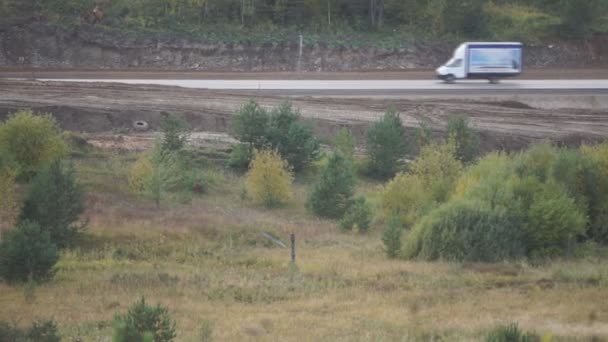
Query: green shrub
(407, 198)
(385, 145)
(9, 332)
(40, 331)
(510, 333)
(332, 192)
(241, 156)
(554, 222)
(464, 230)
(250, 125)
(269, 179)
(345, 143)
(26, 252)
(142, 319)
(9, 201)
(466, 141)
(392, 237)
(31, 141)
(175, 133)
(56, 202)
(279, 130)
(359, 216)
(43, 331)
(293, 140)
(438, 169)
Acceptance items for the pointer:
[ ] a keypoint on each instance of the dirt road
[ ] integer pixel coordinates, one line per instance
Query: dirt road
(97, 108)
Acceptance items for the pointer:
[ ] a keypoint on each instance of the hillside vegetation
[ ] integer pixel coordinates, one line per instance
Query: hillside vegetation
(340, 22)
(178, 243)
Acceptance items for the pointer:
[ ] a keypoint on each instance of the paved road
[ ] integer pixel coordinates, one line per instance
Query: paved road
(377, 87)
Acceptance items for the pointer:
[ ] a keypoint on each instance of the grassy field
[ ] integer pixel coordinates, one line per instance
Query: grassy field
(204, 258)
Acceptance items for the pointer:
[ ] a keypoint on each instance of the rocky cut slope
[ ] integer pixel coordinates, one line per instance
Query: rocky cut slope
(41, 45)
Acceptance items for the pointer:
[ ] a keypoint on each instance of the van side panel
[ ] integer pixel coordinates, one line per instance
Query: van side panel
(503, 60)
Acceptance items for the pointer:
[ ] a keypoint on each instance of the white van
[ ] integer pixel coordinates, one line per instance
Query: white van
(491, 61)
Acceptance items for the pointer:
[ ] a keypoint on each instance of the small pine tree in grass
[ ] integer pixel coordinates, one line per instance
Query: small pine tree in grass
(143, 323)
(464, 138)
(385, 145)
(332, 193)
(359, 215)
(392, 237)
(345, 143)
(156, 172)
(56, 202)
(27, 252)
(175, 133)
(269, 179)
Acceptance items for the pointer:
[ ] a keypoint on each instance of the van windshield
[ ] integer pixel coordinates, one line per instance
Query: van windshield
(454, 63)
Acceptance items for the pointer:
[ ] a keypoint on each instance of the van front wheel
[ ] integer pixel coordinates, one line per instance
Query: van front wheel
(449, 78)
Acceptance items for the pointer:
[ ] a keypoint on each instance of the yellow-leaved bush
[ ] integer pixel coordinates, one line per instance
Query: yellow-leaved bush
(269, 179)
(140, 173)
(430, 181)
(31, 141)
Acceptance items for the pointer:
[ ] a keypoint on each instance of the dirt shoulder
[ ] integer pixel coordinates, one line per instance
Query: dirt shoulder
(99, 108)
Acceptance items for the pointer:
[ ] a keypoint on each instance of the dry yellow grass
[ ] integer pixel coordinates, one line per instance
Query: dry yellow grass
(207, 261)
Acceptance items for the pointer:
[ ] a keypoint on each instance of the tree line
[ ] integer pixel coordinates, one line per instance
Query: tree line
(471, 18)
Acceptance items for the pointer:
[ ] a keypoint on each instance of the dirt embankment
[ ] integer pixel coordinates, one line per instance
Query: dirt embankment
(99, 108)
(40, 45)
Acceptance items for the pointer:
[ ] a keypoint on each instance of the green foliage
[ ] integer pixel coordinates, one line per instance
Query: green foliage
(385, 145)
(269, 179)
(406, 198)
(43, 331)
(392, 237)
(241, 156)
(554, 222)
(9, 201)
(379, 23)
(332, 192)
(175, 133)
(26, 252)
(293, 140)
(31, 141)
(40, 331)
(345, 143)
(141, 320)
(579, 18)
(510, 333)
(250, 125)
(359, 216)
(466, 141)
(280, 130)
(157, 172)
(464, 230)
(438, 169)
(56, 201)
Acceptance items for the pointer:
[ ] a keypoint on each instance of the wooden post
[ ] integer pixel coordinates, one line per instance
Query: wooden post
(293, 248)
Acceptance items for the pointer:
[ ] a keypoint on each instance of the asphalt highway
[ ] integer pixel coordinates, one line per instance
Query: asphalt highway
(376, 87)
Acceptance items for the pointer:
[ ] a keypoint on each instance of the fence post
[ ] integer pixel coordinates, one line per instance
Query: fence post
(293, 247)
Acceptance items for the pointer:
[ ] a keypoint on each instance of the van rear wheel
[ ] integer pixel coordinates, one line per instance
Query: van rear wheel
(493, 80)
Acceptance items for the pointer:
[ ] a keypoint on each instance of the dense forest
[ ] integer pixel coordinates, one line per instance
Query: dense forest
(528, 20)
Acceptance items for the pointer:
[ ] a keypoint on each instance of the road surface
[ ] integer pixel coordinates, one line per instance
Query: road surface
(375, 87)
